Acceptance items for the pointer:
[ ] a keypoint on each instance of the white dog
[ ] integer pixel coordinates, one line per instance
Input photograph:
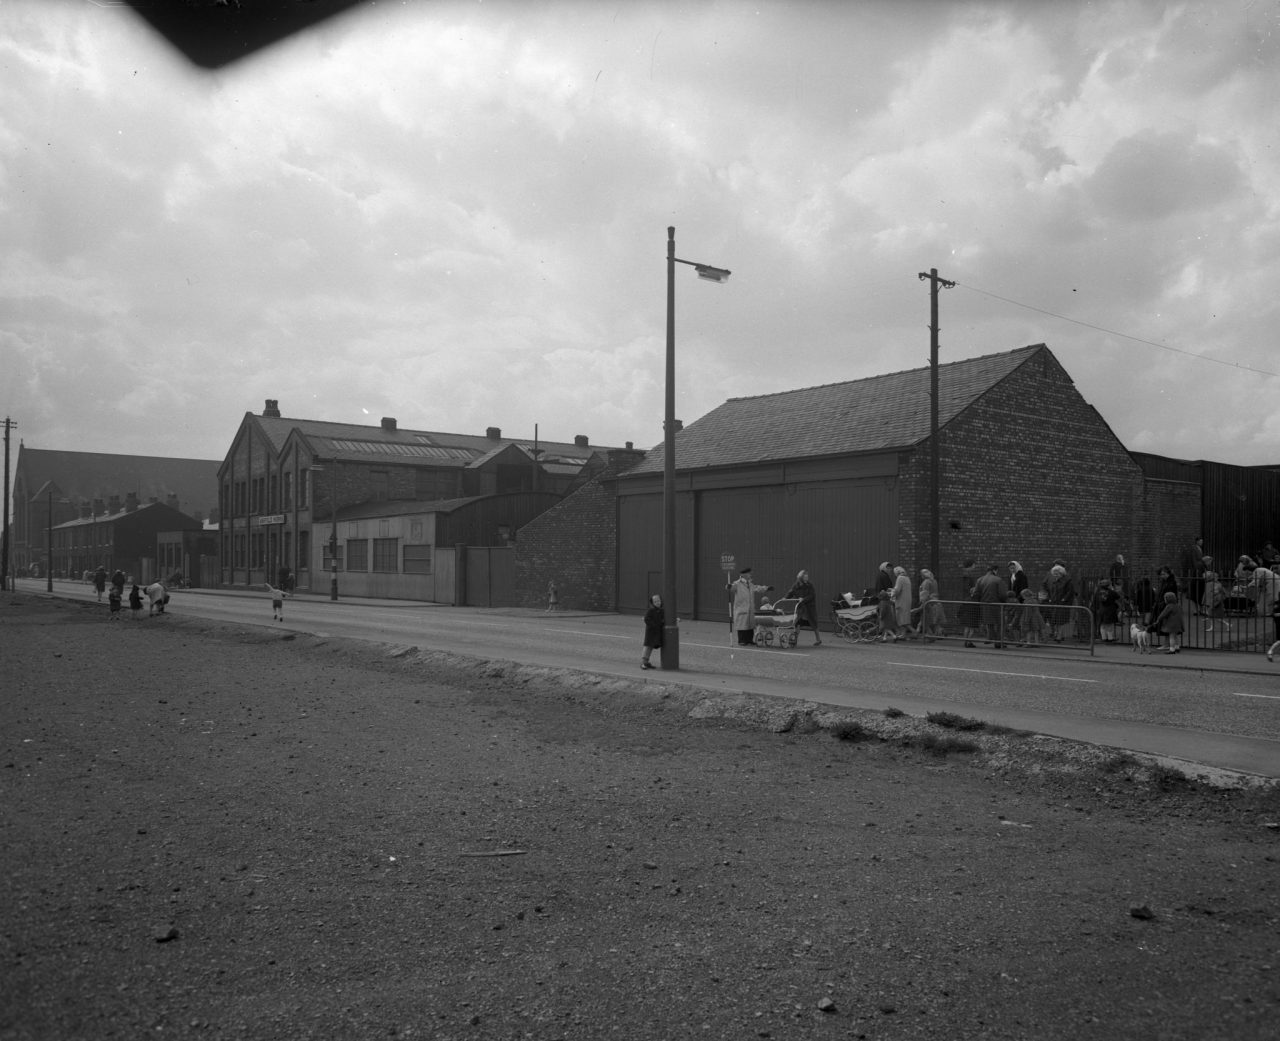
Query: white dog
(1141, 638)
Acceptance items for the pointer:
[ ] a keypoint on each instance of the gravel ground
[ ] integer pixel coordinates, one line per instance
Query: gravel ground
(224, 832)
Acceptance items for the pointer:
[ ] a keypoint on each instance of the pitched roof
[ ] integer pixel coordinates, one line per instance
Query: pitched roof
(351, 442)
(85, 476)
(876, 414)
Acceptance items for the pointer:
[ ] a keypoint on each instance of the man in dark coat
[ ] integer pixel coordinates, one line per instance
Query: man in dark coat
(992, 591)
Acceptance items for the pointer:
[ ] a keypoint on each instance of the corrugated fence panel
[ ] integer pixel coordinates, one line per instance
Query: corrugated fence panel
(838, 531)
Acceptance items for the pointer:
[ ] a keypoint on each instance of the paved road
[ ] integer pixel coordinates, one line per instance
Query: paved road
(1221, 709)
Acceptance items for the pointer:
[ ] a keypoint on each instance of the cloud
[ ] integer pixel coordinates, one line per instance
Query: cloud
(1152, 175)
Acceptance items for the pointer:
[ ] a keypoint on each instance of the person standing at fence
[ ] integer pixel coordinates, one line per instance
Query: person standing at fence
(655, 619)
(992, 592)
(742, 606)
(1265, 580)
(1017, 579)
(1169, 622)
(1192, 568)
(1118, 575)
(1213, 602)
(1275, 624)
(970, 613)
(1060, 593)
(1145, 597)
(931, 613)
(807, 608)
(1032, 619)
(1107, 603)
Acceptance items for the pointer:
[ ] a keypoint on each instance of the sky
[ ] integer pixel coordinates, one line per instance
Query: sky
(455, 214)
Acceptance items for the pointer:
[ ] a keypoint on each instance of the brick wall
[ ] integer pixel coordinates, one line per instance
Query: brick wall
(575, 545)
(1030, 472)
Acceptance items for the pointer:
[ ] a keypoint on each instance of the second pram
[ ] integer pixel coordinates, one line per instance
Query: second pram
(856, 618)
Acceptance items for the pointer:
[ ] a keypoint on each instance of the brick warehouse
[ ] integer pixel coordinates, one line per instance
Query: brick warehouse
(836, 479)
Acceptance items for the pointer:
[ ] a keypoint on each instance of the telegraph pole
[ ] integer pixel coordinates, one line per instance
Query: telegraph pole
(935, 509)
(4, 505)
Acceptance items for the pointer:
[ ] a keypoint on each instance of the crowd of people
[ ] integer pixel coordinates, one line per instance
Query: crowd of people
(999, 605)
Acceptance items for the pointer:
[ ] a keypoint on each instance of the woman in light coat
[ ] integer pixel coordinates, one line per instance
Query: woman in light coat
(901, 594)
(931, 613)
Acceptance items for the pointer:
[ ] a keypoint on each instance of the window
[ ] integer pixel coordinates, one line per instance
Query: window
(386, 555)
(417, 560)
(357, 554)
(288, 490)
(304, 487)
(304, 549)
(327, 561)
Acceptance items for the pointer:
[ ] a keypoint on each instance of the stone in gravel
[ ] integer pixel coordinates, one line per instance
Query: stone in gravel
(826, 1005)
(1142, 911)
(164, 933)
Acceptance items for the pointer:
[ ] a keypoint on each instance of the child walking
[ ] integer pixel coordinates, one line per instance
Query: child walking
(135, 602)
(1032, 619)
(113, 600)
(1169, 622)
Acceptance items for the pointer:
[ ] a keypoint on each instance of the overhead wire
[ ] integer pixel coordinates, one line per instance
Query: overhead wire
(1114, 332)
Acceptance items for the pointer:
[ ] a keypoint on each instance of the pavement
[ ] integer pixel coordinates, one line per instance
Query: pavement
(1218, 757)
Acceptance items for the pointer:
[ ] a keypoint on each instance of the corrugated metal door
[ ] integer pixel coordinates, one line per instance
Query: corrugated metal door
(640, 523)
(839, 531)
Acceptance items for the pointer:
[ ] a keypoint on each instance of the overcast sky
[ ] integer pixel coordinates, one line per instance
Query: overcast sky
(455, 214)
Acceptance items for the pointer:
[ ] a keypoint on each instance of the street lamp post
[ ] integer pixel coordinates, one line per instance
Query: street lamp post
(333, 517)
(671, 629)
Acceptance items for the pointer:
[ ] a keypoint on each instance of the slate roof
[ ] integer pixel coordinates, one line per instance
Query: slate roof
(85, 476)
(876, 414)
(350, 442)
(122, 513)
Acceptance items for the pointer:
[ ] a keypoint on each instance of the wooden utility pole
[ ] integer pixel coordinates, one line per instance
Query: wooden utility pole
(4, 538)
(935, 509)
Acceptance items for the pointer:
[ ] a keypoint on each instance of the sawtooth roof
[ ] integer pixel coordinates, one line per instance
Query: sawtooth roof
(876, 414)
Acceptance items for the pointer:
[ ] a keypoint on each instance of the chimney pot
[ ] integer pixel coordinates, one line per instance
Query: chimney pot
(493, 433)
(272, 408)
(581, 440)
(388, 423)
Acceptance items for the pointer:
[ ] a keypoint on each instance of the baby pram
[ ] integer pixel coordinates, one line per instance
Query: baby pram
(777, 621)
(856, 619)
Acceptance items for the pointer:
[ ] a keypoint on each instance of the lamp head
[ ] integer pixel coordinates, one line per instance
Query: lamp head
(712, 274)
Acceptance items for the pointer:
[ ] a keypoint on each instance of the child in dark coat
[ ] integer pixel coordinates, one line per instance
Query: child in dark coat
(135, 602)
(1169, 622)
(654, 621)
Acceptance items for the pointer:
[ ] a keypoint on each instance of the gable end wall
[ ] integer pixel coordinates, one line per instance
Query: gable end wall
(1030, 472)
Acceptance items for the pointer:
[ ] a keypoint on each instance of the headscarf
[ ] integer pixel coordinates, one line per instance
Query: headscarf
(899, 571)
(926, 573)
(1014, 566)
(1058, 571)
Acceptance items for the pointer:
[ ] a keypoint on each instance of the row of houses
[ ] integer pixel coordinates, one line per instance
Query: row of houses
(834, 479)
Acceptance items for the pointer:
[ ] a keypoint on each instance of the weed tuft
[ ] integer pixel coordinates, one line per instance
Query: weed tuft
(951, 721)
(852, 731)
